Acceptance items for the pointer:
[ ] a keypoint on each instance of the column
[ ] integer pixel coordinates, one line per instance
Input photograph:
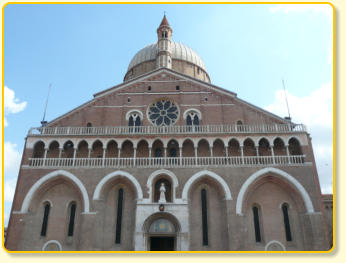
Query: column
(196, 155)
(211, 155)
(272, 151)
(74, 156)
(44, 156)
(227, 156)
(181, 155)
(59, 160)
(288, 154)
(150, 156)
(119, 152)
(258, 156)
(60, 152)
(103, 156)
(134, 156)
(242, 154)
(165, 155)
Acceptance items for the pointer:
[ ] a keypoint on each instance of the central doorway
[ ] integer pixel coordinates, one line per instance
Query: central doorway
(161, 243)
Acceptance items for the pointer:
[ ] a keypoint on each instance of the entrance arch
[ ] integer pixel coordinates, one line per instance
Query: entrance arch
(161, 231)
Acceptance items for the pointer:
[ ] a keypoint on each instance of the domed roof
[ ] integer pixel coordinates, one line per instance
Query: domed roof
(179, 51)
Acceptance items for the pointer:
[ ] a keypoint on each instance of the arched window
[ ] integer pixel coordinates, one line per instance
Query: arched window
(168, 187)
(38, 150)
(294, 147)
(204, 217)
(119, 216)
(68, 150)
(193, 117)
(286, 222)
(45, 219)
(135, 119)
(256, 222)
(72, 216)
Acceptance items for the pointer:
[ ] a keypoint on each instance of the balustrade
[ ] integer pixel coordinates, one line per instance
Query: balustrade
(141, 130)
(168, 162)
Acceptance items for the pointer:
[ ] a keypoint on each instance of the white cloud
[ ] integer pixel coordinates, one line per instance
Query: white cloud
(11, 103)
(12, 158)
(315, 111)
(9, 189)
(300, 8)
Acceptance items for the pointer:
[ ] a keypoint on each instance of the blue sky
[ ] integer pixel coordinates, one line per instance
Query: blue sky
(247, 49)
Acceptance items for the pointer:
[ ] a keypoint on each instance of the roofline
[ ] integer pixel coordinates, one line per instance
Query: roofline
(148, 74)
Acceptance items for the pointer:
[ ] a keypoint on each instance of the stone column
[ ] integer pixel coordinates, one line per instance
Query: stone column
(181, 155)
(272, 151)
(149, 155)
(74, 156)
(196, 155)
(242, 154)
(288, 153)
(134, 156)
(104, 156)
(60, 152)
(44, 156)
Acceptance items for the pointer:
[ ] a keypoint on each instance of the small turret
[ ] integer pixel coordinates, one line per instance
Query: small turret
(164, 35)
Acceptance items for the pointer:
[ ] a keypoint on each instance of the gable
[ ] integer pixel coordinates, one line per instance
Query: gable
(218, 106)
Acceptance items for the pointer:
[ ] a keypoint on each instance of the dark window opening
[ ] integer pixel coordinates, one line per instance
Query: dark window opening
(131, 121)
(287, 222)
(177, 87)
(173, 152)
(204, 217)
(45, 220)
(188, 120)
(158, 152)
(205, 99)
(119, 216)
(198, 71)
(257, 224)
(72, 219)
(195, 120)
(128, 99)
(149, 88)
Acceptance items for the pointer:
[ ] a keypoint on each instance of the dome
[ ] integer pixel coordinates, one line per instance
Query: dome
(179, 52)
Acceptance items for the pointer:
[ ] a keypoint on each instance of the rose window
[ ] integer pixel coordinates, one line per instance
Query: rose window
(163, 113)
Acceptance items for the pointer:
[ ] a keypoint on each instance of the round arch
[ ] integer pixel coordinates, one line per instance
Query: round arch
(128, 114)
(56, 242)
(274, 242)
(196, 176)
(50, 176)
(186, 112)
(157, 173)
(281, 174)
(112, 175)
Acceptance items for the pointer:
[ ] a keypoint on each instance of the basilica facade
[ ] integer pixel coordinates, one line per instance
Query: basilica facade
(167, 161)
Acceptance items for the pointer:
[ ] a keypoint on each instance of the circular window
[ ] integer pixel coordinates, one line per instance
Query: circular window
(163, 113)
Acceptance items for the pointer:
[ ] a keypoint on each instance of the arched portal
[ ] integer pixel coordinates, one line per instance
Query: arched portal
(161, 230)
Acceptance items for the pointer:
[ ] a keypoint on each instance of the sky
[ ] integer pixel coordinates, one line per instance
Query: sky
(247, 49)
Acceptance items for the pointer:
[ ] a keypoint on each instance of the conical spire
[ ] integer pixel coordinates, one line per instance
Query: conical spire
(164, 22)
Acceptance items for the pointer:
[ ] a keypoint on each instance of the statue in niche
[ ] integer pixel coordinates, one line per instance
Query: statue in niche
(162, 193)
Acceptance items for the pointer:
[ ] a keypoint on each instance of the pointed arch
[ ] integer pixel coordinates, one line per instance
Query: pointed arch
(160, 172)
(196, 176)
(111, 176)
(50, 176)
(281, 174)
